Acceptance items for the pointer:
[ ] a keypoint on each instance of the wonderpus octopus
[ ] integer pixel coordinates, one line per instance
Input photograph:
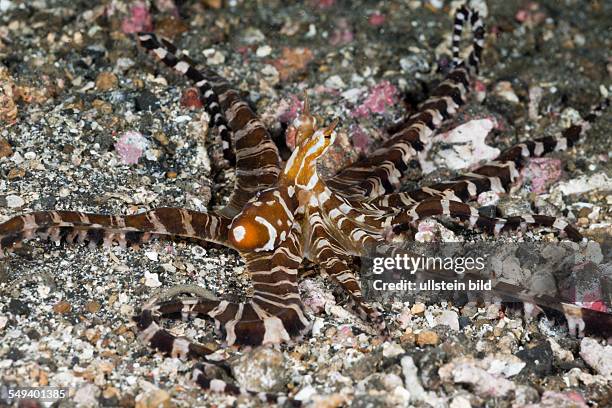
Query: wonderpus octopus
(281, 214)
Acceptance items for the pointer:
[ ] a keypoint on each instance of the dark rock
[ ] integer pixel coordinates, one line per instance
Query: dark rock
(47, 362)
(127, 400)
(489, 211)
(464, 322)
(4, 273)
(18, 307)
(33, 334)
(539, 359)
(109, 402)
(14, 354)
(363, 367)
(146, 101)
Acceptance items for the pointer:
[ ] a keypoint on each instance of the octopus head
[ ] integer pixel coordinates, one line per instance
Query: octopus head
(263, 223)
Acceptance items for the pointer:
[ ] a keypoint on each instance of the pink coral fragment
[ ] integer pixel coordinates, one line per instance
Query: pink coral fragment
(323, 4)
(379, 97)
(288, 110)
(542, 172)
(343, 34)
(130, 147)
(377, 19)
(138, 20)
(360, 139)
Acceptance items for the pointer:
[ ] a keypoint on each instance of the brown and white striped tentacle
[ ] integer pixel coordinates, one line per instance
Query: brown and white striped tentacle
(170, 55)
(357, 228)
(274, 313)
(382, 171)
(105, 229)
(464, 212)
(498, 175)
(257, 159)
(326, 250)
(462, 15)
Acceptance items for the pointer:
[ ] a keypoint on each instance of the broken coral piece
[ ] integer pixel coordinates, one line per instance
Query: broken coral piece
(542, 172)
(131, 146)
(467, 145)
(379, 98)
(138, 20)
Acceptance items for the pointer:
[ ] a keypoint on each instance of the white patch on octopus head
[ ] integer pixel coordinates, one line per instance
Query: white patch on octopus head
(268, 246)
(239, 233)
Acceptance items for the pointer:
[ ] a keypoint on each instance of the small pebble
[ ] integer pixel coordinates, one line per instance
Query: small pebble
(262, 369)
(417, 308)
(5, 148)
(263, 51)
(448, 318)
(152, 280)
(16, 173)
(62, 307)
(14, 201)
(87, 396)
(92, 307)
(215, 4)
(213, 56)
(504, 90)
(597, 356)
(427, 337)
(335, 82)
(106, 81)
(155, 398)
(391, 350)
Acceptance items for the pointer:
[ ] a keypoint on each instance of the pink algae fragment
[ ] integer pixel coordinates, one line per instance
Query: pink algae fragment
(376, 19)
(542, 172)
(560, 399)
(323, 4)
(380, 96)
(530, 15)
(521, 15)
(288, 110)
(361, 140)
(343, 34)
(592, 300)
(130, 147)
(138, 20)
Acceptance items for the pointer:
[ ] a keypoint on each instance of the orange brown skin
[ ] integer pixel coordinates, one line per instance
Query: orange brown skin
(266, 220)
